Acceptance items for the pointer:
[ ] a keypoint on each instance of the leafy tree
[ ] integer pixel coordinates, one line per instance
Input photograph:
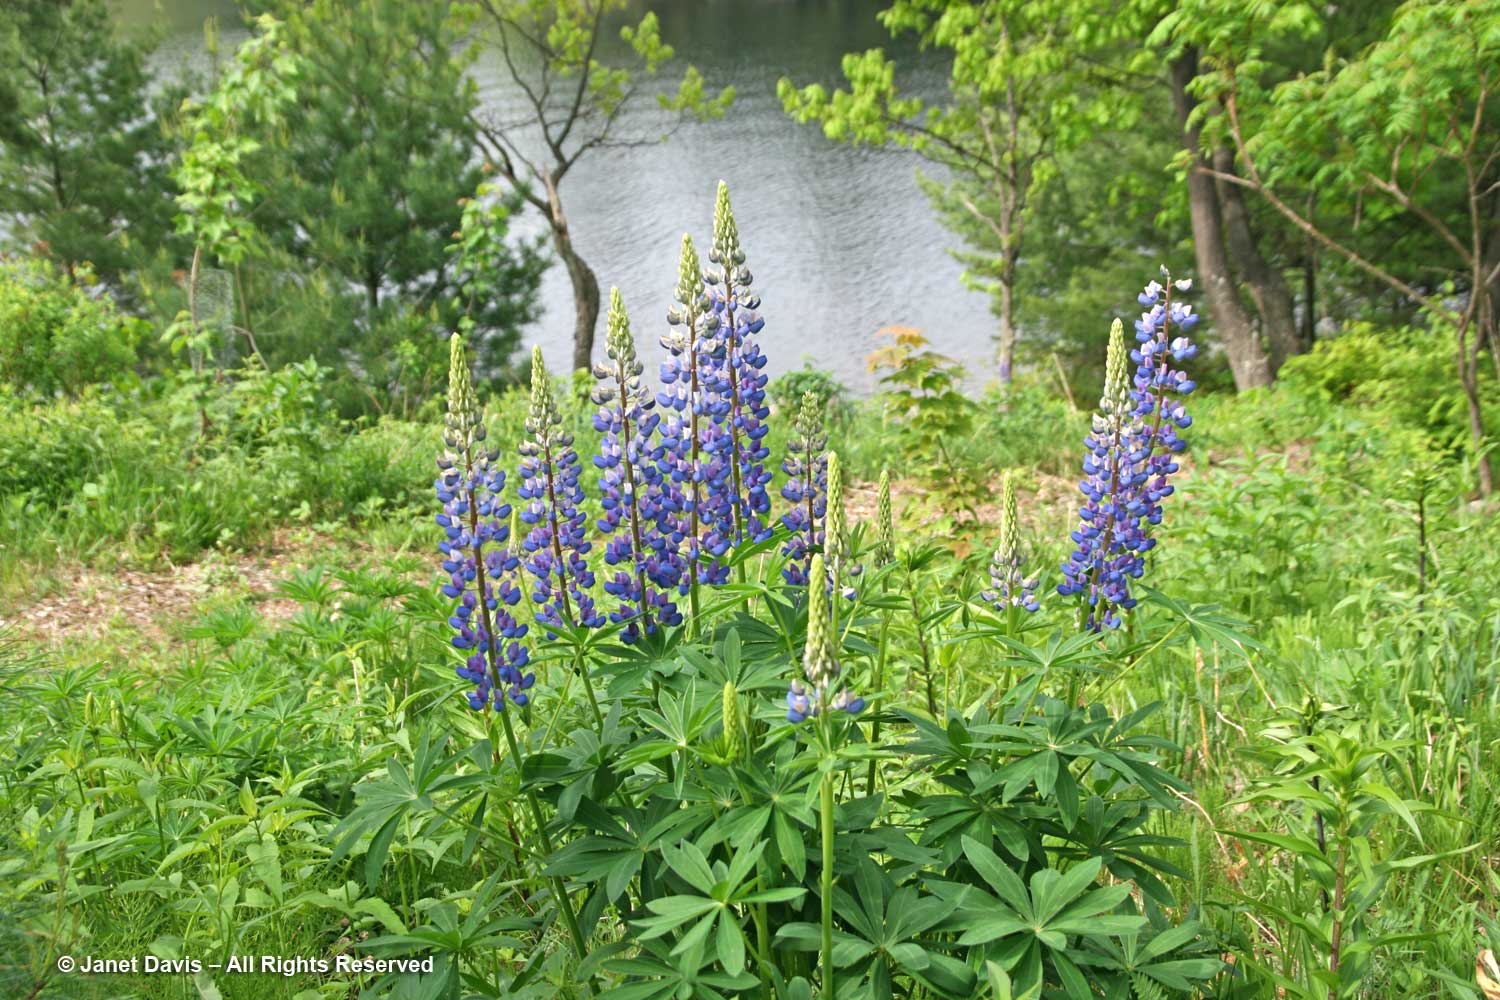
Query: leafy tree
(1411, 126)
(373, 161)
(555, 52)
(332, 171)
(82, 157)
(1019, 94)
(217, 192)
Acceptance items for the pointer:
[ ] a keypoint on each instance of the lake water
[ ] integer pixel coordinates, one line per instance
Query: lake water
(841, 241)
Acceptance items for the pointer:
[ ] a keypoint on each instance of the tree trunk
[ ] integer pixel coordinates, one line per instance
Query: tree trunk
(1468, 377)
(1273, 299)
(1247, 360)
(1489, 305)
(1307, 334)
(585, 284)
(1007, 347)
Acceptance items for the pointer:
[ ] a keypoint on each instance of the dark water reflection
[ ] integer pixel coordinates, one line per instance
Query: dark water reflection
(841, 241)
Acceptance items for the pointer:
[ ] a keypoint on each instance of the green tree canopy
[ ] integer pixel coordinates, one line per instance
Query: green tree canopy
(82, 156)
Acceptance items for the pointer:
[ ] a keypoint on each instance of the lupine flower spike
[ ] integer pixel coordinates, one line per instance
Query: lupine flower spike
(885, 535)
(555, 546)
(738, 380)
(820, 665)
(632, 494)
(1010, 587)
(1130, 456)
(479, 563)
(691, 460)
(806, 487)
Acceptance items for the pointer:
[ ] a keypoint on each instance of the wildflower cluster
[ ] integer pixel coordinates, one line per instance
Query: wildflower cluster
(1130, 455)
(555, 546)
(806, 487)
(480, 568)
(634, 493)
(1010, 587)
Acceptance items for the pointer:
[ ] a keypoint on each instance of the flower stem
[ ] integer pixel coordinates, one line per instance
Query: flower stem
(559, 893)
(826, 822)
(588, 686)
(880, 657)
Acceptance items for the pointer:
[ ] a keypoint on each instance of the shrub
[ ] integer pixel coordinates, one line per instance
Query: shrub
(55, 336)
(1407, 373)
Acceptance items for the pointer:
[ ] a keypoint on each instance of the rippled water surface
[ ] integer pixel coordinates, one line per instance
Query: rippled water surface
(841, 241)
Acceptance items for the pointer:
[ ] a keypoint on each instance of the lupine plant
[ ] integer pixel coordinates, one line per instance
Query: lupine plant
(692, 458)
(1011, 589)
(739, 380)
(327, 785)
(1130, 456)
(635, 495)
(557, 544)
(684, 820)
(481, 566)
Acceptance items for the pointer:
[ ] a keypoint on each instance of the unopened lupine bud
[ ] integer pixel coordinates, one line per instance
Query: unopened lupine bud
(734, 722)
(885, 535)
(836, 544)
(818, 662)
(1116, 396)
(806, 467)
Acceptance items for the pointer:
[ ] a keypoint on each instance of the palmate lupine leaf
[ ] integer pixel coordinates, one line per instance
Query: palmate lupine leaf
(667, 975)
(1031, 924)
(885, 925)
(720, 887)
(1208, 624)
(384, 802)
(615, 853)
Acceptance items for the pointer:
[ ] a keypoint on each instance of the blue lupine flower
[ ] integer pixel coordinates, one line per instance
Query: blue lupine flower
(695, 459)
(555, 546)
(806, 467)
(1010, 587)
(820, 665)
(1130, 457)
(739, 381)
(633, 494)
(481, 568)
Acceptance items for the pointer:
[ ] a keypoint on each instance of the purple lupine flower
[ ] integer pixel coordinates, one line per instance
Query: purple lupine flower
(633, 491)
(820, 665)
(806, 487)
(1130, 457)
(555, 546)
(739, 381)
(695, 510)
(480, 567)
(1010, 587)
